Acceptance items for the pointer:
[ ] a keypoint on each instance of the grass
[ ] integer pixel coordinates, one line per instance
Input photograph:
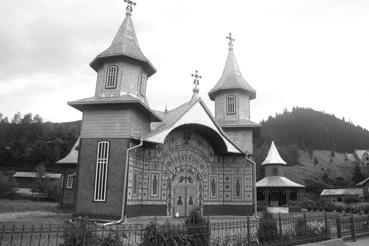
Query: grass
(23, 212)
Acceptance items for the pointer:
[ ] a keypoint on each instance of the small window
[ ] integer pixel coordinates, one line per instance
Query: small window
(69, 183)
(101, 171)
(111, 77)
(231, 105)
(143, 84)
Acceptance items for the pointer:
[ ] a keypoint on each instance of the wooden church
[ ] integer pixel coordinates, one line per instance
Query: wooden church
(136, 161)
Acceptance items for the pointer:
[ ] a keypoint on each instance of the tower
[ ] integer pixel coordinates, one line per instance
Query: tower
(114, 119)
(273, 162)
(232, 95)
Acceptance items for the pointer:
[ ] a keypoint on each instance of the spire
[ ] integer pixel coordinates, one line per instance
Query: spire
(125, 44)
(196, 82)
(273, 157)
(232, 77)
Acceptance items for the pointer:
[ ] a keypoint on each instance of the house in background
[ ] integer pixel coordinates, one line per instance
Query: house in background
(338, 196)
(362, 156)
(68, 165)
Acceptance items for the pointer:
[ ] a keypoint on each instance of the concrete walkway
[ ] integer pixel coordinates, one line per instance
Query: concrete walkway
(360, 242)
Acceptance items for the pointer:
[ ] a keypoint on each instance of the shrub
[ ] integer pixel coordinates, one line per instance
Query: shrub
(267, 230)
(77, 230)
(351, 199)
(197, 228)
(314, 229)
(167, 234)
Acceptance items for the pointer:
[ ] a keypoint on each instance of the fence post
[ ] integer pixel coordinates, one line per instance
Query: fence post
(306, 231)
(280, 228)
(83, 232)
(327, 231)
(338, 225)
(352, 225)
(248, 231)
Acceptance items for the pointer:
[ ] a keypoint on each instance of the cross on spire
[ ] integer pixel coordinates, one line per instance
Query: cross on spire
(129, 8)
(230, 43)
(197, 78)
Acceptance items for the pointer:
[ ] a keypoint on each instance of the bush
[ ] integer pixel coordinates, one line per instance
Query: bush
(7, 185)
(166, 234)
(197, 228)
(314, 229)
(77, 230)
(351, 199)
(267, 230)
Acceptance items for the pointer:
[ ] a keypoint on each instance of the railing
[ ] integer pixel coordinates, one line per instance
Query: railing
(266, 232)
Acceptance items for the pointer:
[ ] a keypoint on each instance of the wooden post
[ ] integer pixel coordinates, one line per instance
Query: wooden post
(280, 229)
(306, 231)
(352, 225)
(326, 224)
(338, 225)
(248, 231)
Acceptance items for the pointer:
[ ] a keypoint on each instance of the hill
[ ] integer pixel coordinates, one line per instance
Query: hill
(27, 142)
(313, 130)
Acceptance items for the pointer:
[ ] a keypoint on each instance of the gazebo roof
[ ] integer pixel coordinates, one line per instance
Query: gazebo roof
(277, 181)
(273, 157)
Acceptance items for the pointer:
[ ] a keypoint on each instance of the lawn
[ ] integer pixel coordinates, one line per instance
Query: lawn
(23, 212)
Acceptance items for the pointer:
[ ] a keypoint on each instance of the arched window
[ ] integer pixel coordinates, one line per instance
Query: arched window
(111, 77)
(231, 105)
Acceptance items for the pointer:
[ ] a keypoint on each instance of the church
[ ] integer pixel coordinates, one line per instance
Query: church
(135, 161)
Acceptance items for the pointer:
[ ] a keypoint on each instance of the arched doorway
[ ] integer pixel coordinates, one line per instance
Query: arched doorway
(186, 194)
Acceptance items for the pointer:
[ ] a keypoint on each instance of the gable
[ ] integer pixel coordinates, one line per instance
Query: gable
(197, 114)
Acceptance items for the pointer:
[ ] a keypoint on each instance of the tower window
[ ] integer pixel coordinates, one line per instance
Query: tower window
(143, 84)
(275, 171)
(101, 171)
(111, 77)
(231, 105)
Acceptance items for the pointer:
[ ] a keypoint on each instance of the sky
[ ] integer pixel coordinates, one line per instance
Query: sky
(294, 53)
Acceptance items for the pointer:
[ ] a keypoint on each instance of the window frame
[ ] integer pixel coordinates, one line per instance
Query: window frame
(111, 77)
(231, 106)
(101, 171)
(143, 79)
(69, 178)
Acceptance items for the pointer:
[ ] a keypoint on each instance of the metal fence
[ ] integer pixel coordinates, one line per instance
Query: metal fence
(268, 232)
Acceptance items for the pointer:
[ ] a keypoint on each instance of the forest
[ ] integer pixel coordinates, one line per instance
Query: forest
(27, 141)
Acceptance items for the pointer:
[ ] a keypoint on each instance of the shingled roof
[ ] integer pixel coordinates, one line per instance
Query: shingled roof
(72, 157)
(232, 79)
(125, 44)
(277, 181)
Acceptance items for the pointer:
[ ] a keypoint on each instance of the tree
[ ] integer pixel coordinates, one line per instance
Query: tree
(358, 176)
(27, 119)
(17, 118)
(37, 119)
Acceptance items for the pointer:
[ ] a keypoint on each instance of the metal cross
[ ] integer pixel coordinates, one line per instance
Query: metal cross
(130, 3)
(230, 43)
(197, 77)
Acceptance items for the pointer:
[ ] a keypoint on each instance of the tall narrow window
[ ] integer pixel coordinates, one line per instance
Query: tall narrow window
(69, 184)
(101, 171)
(143, 84)
(231, 105)
(111, 77)
(186, 138)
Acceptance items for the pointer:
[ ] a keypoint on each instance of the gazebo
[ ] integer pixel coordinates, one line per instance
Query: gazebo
(275, 190)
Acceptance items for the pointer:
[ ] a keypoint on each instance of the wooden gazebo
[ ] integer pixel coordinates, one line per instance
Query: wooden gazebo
(275, 190)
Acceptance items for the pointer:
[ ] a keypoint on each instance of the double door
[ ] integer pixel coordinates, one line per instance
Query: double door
(185, 199)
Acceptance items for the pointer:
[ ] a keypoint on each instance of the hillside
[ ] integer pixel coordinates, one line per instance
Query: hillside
(313, 130)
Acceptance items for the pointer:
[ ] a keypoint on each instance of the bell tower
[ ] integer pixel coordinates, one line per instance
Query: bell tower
(232, 95)
(114, 119)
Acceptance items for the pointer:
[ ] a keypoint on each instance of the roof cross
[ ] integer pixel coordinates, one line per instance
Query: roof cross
(197, 78)
(230, 43)
(130, 3)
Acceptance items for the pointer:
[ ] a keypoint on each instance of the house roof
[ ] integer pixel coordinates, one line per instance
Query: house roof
(361, 183)
(360, 152)
(277, 181)
(273, 157)
(125, 44)
(232, 79)
(341, 192)
(123, 99)
(34, 175)
(193, 112)
(72, 157)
